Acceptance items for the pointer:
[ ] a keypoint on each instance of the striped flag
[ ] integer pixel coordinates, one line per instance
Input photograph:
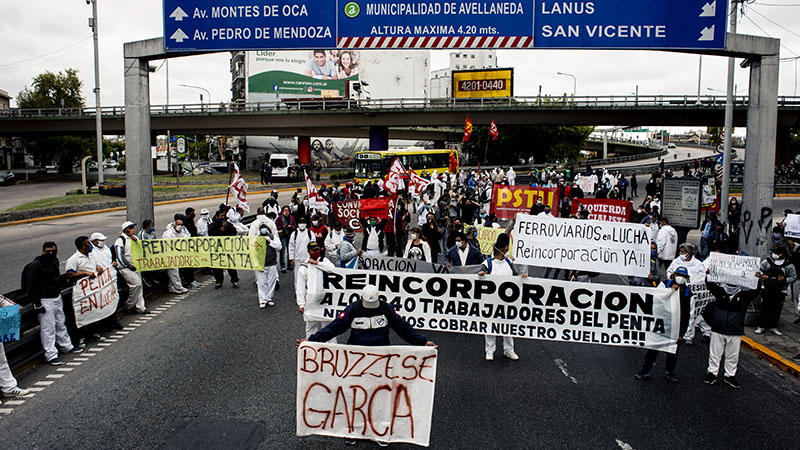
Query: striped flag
(394, 179)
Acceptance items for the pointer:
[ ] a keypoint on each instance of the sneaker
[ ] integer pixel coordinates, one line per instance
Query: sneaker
(55, 362)
(218, 286)
(510, 355)
(262, 305)
(710, 378)
(76, 349)
(642, 374)
(670, 376)
(796, 357)
(776, 331)
(235, 284)
(195, 285)
(759, 330)
(489, 356)
(16, 392)
(731, 381)
(270, 303)
(175, 292)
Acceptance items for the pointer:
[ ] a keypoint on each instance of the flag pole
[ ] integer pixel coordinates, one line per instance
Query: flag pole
(486, 152)
(230, 180)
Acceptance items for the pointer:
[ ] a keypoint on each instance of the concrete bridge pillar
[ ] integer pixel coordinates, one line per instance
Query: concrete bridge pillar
(378, 138)
(304, 149)
(138, 159)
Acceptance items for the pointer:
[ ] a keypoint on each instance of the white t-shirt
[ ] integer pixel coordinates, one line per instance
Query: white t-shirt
(79, 262)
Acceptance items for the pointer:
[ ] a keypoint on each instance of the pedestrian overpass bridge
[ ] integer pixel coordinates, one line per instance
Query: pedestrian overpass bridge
(405, 118)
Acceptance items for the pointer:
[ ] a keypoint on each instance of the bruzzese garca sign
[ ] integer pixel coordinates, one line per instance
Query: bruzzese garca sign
(208, 25)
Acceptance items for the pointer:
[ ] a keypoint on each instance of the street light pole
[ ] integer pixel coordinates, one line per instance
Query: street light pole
(699, 80)
(201, 88)
(574, 81)
(726, 158)
(98, 110)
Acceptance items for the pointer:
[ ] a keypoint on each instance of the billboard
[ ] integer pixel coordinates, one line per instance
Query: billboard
(483, 83)
(299, 74)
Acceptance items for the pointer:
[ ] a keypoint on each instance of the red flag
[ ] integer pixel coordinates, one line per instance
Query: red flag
(394, 179)
(315, 200)
(453, 161)
(417, 184)
(239, 188)
(467, 129)
(493, 131)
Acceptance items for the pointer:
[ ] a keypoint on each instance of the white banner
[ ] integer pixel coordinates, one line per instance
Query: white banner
(701, 296)
(96, 298)
(733, 269)
(239, 188)
(792, 223)
(587, 245)
(315, 201)
(376, 393)
(509, 306)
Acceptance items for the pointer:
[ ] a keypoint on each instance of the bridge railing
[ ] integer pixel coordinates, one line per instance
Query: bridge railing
(340, 104)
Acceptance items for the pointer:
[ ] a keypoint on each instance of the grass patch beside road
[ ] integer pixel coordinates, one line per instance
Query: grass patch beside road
(221, 178)
(70, 200)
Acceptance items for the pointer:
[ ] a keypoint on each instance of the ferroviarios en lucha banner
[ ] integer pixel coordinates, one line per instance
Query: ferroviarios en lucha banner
(216, 252)
(507, 201)
(377, 393)
(587, 245)
(509, 306)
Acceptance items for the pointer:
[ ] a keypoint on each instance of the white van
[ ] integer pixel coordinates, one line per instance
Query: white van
(280, 163)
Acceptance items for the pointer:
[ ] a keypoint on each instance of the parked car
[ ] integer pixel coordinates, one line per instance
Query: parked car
(7, 178)
(671, 146)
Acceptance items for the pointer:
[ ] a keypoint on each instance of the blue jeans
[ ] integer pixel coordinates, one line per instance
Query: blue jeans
(284, 255)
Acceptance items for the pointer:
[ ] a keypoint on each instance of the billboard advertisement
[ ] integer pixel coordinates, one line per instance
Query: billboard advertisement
(300, 74)
(483, 83)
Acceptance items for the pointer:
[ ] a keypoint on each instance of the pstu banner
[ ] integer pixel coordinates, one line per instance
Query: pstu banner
(348, 212)
(587, 245)
(733, 269)
(605, 209)
(386, 264)
(9, 323)
(510, 306)
(216, 252)
(507, 201)
(375, 393)
(96, 298)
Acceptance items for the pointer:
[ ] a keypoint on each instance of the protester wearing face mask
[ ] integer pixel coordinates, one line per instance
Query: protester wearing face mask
(433, 234)
(654, 276)
(286, 226)
(175, 230)
(678, 281)
(221, 227)
(332, 242)
(43, 286)
(538, 207)
(148, 230)
(102, 255)
(203, 222)
(417, 247)
(266, 279)
(126, 268)
(303, 294)
(461, 253)
(298, 243)
(372, 244)
(319, 230)
(347, 253)
(776, 274)
(83, 263)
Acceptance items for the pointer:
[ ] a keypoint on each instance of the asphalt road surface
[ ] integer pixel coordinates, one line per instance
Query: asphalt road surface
(212, 371)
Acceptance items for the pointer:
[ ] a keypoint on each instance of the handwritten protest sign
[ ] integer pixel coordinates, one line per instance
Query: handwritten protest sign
(385, 264)
(507, 201)
(486, 237)
(9, 323)
(701, 296)
(357, 392)
(605, 209)
(216, 252)
(509, 306)
(588, 245)
(733, 269)
(96, 298)
(792, 223)
(349, 212)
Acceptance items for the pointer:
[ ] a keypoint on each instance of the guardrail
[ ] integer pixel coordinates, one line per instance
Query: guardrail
(338, 104)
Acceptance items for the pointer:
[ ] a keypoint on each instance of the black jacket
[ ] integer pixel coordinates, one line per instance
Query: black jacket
(369, 326)
(729, 311)
(44, 279)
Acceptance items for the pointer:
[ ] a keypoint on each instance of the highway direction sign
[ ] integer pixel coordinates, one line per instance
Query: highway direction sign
(219, 25)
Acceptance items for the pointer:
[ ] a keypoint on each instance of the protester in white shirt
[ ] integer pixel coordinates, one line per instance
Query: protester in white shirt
(203, 222)
(667, 242)
(8, 384)
(332, 242)
(302, 292)
(175, 230)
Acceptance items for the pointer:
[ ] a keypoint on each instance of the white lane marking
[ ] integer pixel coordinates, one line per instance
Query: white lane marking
(104, 344)
(35, 389)
(85, 354)
(44, 383)
(161, 309)
(123, 332)
(111, 340)
(65, 369)
(13, 402)
(115, 337)
(129, 329)
(74, 363)
(157, 312)
(563, 366)
(135, 325)
(31, 395)
(6, 410)
(96, 349)
(624, 445)
(55, 375)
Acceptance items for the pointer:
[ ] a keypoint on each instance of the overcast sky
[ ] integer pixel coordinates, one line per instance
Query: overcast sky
(54, 35)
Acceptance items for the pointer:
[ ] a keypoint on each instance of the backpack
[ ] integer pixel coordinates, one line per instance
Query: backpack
(25, 275)
(489, 263)
(115, 248)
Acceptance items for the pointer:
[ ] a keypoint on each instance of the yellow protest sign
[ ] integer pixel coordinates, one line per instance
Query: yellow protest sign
(216, 252)
(486, 237)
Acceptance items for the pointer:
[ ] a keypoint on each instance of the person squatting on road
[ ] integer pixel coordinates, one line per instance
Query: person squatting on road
(500, 265)
(44, 285)
(315, 257)
(679, 280)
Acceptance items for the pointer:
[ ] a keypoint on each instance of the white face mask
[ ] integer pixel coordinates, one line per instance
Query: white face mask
(779, 261)
(775, 256)
(301, 227)
(178, 228)
(680, 280)
(682, 257)
(100, 244)
(414, 236)
(315, 223)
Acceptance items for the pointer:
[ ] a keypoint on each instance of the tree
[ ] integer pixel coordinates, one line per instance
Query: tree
(517, 144)
(49, 89)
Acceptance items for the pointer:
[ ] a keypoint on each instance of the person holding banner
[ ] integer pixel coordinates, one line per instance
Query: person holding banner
(267, 279)
(777, 274)
(175, 230)
(332, 242)
(8, 384)
(82, 263)
(125, 267)
(461, 253)
(500, 265)
(221, 227)
(697, 270)
(302, 293)
(347, 253)
(678, 281)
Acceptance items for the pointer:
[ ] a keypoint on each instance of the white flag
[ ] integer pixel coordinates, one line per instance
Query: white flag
(315, 201)
(239, 188)
(417, 184)
(394, 179)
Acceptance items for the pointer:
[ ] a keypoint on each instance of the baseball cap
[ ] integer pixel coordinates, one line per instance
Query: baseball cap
(128, 224)
(682, 271)
(313, 246)
(97, 237)
(370, 297)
